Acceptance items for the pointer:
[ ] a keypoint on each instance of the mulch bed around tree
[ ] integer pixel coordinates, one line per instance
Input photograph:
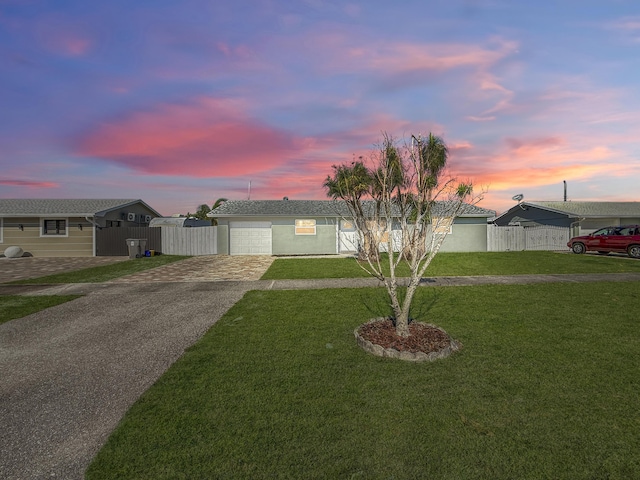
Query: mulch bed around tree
(423, 338)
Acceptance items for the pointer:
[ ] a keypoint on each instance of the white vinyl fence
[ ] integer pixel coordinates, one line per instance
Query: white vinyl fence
(189, 241)
(506, 239)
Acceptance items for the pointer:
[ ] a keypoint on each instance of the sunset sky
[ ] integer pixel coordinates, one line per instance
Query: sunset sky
(183, 102)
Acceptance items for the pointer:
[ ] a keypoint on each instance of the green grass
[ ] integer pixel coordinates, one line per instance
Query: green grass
(105, 273)
(451, 264)
(16, 306)
(546, 387)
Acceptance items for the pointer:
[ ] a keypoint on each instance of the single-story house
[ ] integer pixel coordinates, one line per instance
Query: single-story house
(581, 217)
(65, 227)
(317, 227)
(179, 222)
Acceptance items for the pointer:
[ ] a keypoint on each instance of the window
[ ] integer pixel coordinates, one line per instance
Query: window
(347, 226)
(54, 226)
(305, 227)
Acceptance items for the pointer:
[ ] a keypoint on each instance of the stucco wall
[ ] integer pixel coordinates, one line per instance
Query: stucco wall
(223, 238)
(467, 235)
(286, 242)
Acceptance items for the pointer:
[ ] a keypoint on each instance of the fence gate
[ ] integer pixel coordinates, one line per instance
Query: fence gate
(111, 241)
(505, 239)
(546, 238)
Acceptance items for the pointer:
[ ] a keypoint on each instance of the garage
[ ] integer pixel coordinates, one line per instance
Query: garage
(250, 238)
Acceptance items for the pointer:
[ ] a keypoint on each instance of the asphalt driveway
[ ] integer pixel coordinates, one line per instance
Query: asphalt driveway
(71, 372)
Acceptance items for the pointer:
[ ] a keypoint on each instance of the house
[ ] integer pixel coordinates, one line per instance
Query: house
(179, 222)
(317, 227)
(65, 227)
(580, 217)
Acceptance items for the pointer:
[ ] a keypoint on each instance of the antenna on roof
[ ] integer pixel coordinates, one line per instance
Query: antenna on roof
(249, 196)
(565, 190)
(518, 198)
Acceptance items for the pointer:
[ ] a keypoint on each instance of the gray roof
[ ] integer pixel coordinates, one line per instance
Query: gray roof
(592, 209)
(80, 207)
(311, 208)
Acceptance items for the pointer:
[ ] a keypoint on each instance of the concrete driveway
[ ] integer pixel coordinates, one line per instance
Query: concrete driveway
(69, 373)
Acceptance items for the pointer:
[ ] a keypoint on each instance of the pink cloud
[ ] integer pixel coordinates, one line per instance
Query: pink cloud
(208, 137)
(529, 163)
(402, 63)
(342, 51)
(63, 36)
(27, 183)
(626, 24)
(73, 46)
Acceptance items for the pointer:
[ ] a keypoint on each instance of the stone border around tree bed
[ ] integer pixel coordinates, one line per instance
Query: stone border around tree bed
(380, 351)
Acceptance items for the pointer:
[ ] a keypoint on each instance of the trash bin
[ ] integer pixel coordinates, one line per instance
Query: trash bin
(136, 247)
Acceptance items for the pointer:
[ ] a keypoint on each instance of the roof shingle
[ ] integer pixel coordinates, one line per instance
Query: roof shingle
(62, 207)
(313, 208)
(593, 209)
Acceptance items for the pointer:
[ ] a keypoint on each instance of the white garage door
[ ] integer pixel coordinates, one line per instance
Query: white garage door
(250, 238)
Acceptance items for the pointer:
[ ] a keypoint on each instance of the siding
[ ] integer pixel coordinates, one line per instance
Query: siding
(77, 243)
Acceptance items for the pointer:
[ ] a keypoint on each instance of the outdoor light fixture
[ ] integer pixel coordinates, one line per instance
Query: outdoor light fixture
(21, 227)
(80, 226)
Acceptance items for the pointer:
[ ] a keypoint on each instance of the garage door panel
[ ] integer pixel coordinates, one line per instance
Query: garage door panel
(250, 238)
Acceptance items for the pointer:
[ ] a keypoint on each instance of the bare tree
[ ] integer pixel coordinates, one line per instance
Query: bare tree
(403, 204)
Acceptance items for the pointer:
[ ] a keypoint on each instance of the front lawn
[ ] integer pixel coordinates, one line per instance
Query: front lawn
(546, 386)
(453, 264)
(17, 306)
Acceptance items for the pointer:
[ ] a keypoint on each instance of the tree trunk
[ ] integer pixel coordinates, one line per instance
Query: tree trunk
(402, 316)
(402, 324)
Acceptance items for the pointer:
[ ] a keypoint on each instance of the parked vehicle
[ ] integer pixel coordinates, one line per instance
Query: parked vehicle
(625, 239)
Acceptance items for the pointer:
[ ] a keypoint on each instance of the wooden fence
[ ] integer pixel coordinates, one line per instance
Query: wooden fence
(505, 239)
(189, 241)
(111, 241)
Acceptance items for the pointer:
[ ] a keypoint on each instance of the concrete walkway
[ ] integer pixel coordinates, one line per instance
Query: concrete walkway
(71, 372)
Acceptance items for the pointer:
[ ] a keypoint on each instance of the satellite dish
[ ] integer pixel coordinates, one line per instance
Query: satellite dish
(518, 198)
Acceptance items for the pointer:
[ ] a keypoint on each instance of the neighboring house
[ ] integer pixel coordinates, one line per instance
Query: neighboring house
(580, 217)
(65, 227)
(179, 222)
(320, 227)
